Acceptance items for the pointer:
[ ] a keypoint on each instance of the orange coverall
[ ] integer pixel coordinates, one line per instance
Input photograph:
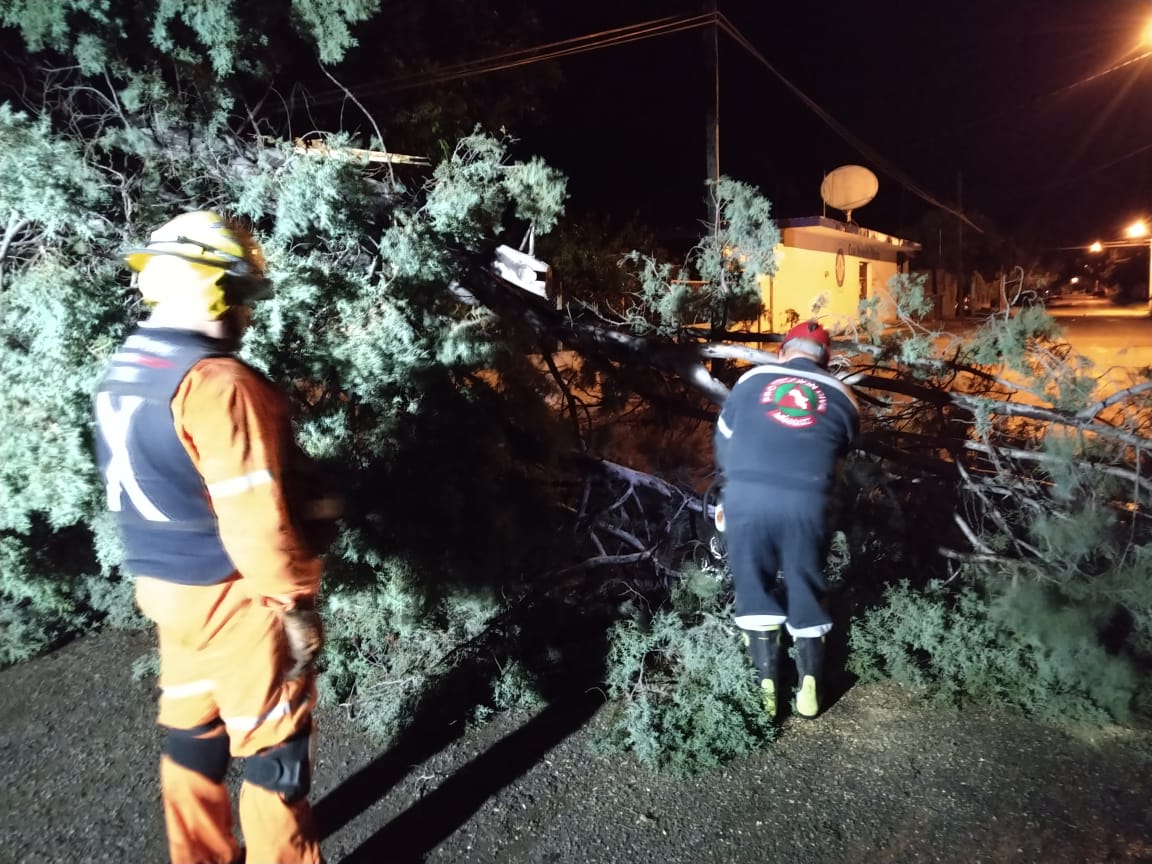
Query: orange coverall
(223, 652)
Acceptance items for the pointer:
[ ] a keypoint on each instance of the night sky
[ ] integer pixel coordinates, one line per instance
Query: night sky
(1000, 103)
(1007, 105)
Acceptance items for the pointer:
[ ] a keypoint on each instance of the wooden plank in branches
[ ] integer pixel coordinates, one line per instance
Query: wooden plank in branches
(316, 147)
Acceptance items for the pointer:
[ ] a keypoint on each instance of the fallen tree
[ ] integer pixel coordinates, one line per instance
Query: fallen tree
(525, 482)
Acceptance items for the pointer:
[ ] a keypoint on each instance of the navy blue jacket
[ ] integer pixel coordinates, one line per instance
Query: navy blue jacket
(786, 424)
(161, 504)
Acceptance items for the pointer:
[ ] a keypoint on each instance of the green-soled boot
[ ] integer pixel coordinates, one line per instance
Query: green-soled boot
(764, 649)
(809, 667)
(768, 697)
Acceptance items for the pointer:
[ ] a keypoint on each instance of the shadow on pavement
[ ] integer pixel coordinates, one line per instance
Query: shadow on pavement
(363, 789)
(561, 646)
(423, 826)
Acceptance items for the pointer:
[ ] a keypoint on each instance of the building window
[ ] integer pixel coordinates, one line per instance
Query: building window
(864, 280)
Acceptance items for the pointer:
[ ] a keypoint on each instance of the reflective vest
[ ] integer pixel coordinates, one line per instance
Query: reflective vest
(161, 503)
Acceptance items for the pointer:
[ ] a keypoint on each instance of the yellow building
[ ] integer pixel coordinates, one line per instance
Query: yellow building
(825, 268)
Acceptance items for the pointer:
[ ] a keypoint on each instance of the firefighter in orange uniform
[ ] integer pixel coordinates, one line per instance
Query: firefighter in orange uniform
(197, 454)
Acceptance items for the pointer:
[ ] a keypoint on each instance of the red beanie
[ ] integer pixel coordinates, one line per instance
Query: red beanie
(810, 331)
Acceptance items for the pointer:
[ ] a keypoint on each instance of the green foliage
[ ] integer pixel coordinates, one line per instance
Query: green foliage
(1028, 345)
(512, 689)
(1124, 589)
(1039, 616)
(688, 699)
(26, 631)
(388, 373)
(146, 667)
(388, 641)
(214, 23)
(226, 35)
(1065, 446)
(719, 282)
(59, 307)
(34, 612)
(1008, 339)
(910, 305)
(470, 189)
(908, 292)
(310, 202)
(1074, 539)
(1016, 646)
(44, 179)
(839, 557)
(52, 586)
(430, 417)
(50, 363)
(327, 22)
(77, 28)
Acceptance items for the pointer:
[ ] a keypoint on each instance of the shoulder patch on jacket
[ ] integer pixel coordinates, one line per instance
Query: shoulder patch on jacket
(794, 402)
(813, 378)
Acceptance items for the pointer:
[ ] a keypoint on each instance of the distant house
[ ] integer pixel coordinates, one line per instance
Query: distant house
(822, 261)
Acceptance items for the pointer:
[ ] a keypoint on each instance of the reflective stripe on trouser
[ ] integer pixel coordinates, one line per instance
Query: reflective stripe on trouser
(223, 654)
(772, 531)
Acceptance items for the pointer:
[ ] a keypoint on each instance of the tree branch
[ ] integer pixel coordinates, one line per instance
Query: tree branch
(15, 226)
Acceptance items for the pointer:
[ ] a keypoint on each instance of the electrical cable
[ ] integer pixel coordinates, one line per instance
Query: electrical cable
(871, 155)
(606, 43)
(634, 33)
(1065, 181)
(535, 54)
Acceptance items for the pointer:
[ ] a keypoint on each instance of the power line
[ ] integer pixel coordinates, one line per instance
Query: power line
(880, 162)
(635, 33)
(536, 54)
(1109, 244)
(1032, 191)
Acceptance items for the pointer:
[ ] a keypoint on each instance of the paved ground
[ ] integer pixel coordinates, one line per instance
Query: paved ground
(879, 778)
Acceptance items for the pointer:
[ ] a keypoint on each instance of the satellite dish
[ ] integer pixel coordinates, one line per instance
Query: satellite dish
(849, 187)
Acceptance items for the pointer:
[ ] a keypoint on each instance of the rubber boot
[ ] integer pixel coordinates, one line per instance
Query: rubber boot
(764, 649)
(809, 668)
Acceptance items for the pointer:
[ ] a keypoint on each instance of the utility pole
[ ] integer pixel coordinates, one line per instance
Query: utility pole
(961, 289)
(712, 112)
(1150, 270)
(719, 320)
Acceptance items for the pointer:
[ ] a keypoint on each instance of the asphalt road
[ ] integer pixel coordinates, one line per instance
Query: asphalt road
(1109, 335)
(880, 778)
(1117, 339)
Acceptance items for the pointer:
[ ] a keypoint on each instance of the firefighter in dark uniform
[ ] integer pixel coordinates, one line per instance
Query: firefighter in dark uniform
(779, 439)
